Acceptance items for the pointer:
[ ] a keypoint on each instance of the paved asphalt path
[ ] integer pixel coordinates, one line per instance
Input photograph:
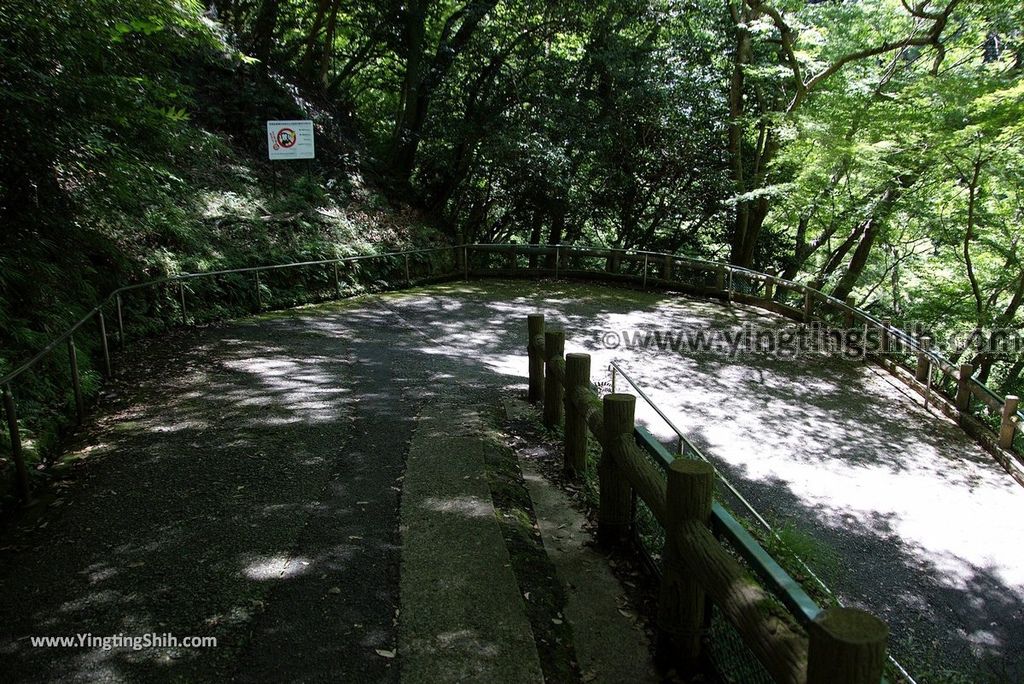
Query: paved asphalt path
(244, 483)
(917, 521)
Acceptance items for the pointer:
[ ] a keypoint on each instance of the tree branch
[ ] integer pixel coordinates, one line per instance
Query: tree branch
(932, 38)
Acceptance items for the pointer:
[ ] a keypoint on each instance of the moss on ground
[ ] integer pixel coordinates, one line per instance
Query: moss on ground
(543, 596)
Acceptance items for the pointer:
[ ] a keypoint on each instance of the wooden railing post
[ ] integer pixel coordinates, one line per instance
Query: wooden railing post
(924, 363)
(769, 290)
(808, 303)
(554, 348)
(848, 315)
(720, 280)
(535, 330)
(963, 388)
(577, 375)
(681, 600)
(616, 504)
(666, 268)
(14, 435)
(1008, 425)
(847, 646)
(613, 261)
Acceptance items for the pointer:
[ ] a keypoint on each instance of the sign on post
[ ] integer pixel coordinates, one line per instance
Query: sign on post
(290, 140)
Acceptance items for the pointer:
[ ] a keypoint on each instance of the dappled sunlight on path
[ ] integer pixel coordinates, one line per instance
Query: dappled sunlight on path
(918, 514)
(246, 483)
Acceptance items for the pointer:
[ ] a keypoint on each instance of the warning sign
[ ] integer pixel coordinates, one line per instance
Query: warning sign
(290, 139)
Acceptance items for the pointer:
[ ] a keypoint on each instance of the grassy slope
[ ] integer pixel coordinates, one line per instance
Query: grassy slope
(202, 197)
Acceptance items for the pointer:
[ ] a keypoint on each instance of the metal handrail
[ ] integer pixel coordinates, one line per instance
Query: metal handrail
(909, 340)
(785, 587)
(615, 368)
(182, 277)
(912, 343)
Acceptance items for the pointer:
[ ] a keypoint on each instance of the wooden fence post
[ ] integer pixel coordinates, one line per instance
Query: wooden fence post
(808, 303)
(577, 375)
(963, 388)
(769, 290)
(616, 504)
(14, 434)
(554, 348)
(681, 601)
(720, 280)
(1008, 424)
(666, 268)
(847, 646)
(534, 330)
(848, 315)
(924, 363)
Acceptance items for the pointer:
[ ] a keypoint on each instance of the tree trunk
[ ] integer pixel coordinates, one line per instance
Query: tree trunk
(870, 231)
(423, 76)
(1012, 377)
(309, 56)
(556, 232)
(403, 147)
(535, 233)
(263, 30)
(736, 110)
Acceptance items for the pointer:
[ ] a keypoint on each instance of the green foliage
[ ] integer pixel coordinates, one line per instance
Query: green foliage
(874, 147)
(139, 153)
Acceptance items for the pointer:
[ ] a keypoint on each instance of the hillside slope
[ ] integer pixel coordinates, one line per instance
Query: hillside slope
(142, 154)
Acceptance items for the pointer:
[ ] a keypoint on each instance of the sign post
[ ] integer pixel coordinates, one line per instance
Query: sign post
(290, 140)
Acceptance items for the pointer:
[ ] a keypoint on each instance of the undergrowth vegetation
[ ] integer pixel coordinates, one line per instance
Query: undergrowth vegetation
(136, 150)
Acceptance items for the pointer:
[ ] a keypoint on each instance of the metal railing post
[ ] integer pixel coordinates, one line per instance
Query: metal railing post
(21, 472)
(76, 383)
(103, 339)
(120, 323)
(181, 292)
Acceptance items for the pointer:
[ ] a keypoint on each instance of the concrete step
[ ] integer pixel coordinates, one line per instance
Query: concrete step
(462, 615)
(610, 646)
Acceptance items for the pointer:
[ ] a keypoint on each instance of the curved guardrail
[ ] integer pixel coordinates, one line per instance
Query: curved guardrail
(724, 523)
(776, 293)
(116, 299)
(657, 268)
